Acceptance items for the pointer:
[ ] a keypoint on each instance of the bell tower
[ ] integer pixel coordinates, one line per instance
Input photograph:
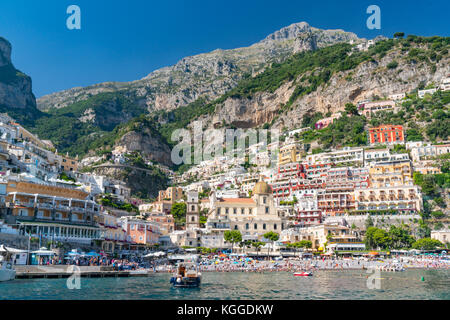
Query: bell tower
(192, 211)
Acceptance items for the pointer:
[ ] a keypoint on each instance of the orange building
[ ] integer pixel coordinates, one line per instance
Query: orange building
(386, 134)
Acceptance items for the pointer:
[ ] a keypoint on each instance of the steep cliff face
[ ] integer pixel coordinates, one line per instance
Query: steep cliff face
(16, 96)
(207, 75)
(375, 77)
(142, 183)
(147, 144)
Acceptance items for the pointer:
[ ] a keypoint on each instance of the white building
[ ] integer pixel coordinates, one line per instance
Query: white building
(422, 93)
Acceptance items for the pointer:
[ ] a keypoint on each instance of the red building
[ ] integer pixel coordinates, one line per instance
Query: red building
(386, 134)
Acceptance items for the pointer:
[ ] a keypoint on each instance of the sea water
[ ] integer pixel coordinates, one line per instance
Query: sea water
(347, 284)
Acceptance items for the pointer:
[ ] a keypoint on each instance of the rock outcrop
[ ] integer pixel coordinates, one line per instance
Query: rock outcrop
(207, 75)
(16, 94)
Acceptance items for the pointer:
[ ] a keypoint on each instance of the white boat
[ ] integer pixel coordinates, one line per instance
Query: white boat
(187, 276)
(7, 271)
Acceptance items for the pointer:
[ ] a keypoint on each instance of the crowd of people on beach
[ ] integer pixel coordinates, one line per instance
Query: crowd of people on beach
(299, 265)
(247, 264)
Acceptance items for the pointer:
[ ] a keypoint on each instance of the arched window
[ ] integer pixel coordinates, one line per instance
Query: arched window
(255, 226)
(264, 226)
(274, 226)
(247, 226)
(193, 219)
(235, 227)
(192, 208)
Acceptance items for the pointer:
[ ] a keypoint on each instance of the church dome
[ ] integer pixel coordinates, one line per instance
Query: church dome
(262, 187)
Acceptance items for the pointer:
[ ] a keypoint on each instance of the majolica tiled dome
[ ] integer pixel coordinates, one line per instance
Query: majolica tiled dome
(262, 187)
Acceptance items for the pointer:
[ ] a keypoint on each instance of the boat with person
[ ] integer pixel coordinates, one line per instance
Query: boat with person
(186, 276)
(7, 271)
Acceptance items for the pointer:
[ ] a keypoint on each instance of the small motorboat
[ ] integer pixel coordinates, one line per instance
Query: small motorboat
(187, 276)
(7, 271)
(303, 274)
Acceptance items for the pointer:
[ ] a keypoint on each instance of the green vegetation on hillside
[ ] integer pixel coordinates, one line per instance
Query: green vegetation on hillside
(69, 134)
(115, 112)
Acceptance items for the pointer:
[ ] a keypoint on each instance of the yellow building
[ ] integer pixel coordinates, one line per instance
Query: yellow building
(290, 153)
(405, 199)
(172, 194)
(254, 216)
(391, 174)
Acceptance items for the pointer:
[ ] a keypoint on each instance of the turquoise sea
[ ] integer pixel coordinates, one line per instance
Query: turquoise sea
(276, 285)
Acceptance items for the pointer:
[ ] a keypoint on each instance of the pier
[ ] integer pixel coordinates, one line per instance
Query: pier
(33, 272)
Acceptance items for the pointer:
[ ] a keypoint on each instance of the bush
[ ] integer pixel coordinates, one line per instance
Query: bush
(392, 65)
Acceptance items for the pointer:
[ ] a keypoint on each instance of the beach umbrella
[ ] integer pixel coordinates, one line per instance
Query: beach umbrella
(93, 254)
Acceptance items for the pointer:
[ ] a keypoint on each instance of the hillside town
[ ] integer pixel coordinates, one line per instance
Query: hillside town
(288, 194)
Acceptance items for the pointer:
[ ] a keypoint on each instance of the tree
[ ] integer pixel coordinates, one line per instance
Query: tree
(178, 212)
(350, 108)
(427, 244)
(272, 237)
(399, 35)
(257, 245)
(232, 236)
(400, 237)
(369, 222)
(377, 238)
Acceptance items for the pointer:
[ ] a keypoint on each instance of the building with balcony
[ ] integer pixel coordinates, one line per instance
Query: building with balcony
(403, 199)
(140, 231)
(336, 200)
(344, 156)
(172, 194)
(52, 212)
(369, 108)
(165, 221)
(386, 134)
(387, 174)
(111, 233)
(291, 152)
(321, 236)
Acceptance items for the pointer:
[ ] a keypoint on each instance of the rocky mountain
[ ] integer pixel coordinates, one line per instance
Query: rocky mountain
(16, 96)
(207, 75)
(388, 68)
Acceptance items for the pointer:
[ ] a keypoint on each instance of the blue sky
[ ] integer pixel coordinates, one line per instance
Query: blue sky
(126, 40)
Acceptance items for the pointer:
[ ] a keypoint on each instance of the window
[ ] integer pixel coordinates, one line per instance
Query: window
(242, 210)
(235, 227)
(267, 210)
(247, 226)
(275, 226)
(193, 219)
(234, 210)
(264, 226)
(255, 226)
(264, 200)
